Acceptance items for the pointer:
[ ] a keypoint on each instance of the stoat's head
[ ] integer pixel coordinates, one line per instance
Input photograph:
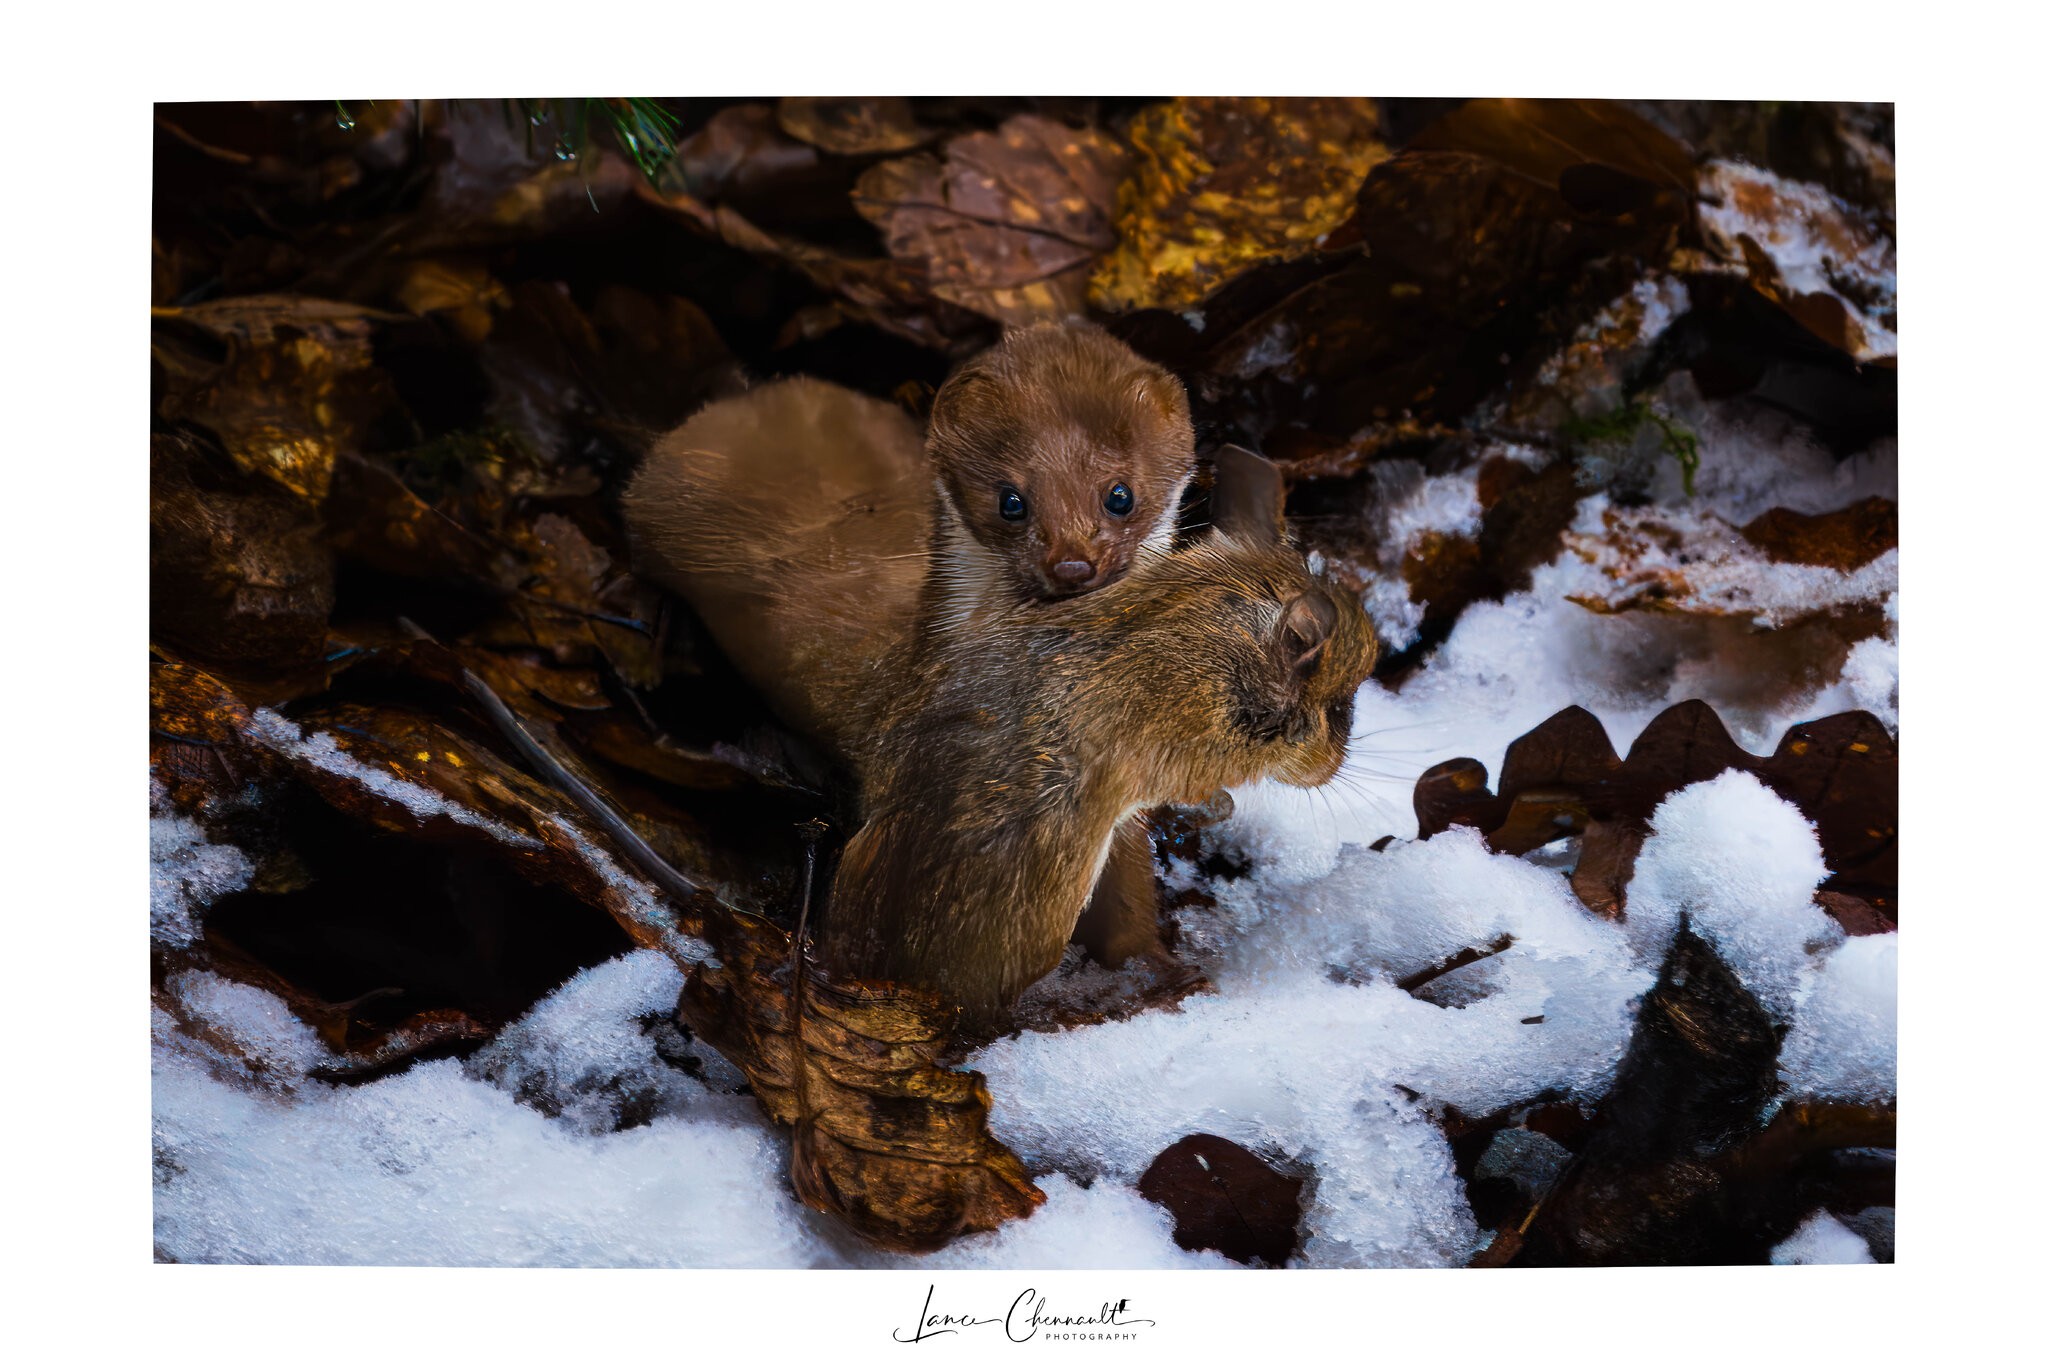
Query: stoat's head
(1062, 451)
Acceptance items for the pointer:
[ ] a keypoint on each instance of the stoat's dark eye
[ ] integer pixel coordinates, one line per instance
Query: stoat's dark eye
(1010, 503)
(1118, 501)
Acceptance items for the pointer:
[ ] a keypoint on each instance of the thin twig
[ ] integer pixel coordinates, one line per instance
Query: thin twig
(593, 804)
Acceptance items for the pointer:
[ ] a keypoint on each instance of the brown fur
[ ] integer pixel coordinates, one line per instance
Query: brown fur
(796, 519)
(1003, 772)
(1060, 414)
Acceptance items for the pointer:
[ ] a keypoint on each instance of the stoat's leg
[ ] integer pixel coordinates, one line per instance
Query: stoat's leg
(1121, 921)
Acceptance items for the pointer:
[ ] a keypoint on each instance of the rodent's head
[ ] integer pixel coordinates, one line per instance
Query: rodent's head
(1248, 667)
(1225, 662)
(1062, 451)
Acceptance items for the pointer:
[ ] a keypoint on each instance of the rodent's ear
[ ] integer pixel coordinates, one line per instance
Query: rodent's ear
(1305, 627)
(1248, 501)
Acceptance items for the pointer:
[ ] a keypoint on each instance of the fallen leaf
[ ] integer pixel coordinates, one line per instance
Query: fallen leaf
(294, 382)
(1679, 1168)
(1840, 771)
(1220, 184)
(886, 1139)
(1226, 1198)
(1502, 226)
(853, 126)
(1807, 253)
(1845, 539)
(1006, 223)
(1697, 564)
(240, 577)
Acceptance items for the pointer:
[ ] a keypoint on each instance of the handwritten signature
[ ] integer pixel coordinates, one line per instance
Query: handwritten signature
(1026, 1318)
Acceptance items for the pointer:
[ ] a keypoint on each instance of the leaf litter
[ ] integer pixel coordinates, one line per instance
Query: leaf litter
(1593, 422)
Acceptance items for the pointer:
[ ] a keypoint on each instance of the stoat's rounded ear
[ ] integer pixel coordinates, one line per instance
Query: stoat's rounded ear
(959, 393)
(1161, 392)
(1249, 499)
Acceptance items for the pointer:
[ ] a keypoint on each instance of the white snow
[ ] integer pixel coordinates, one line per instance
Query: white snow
(320, 749)
(1822, 1240)
(187, 872)
(584, 1053)
(1817, 243)
(1845, 1045)
(1740, 864)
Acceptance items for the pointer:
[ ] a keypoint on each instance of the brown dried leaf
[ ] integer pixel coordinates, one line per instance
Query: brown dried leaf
(374, 518)
(408, 775)
(629, 363)
(1845, 539)
(238, 577)
(460, 288)
(294, 382)
(1225, 1197)
(494, 188)
(886, 294)
(1827, 267)
(365, 1049)
(1576, 145)
(1008, 223)
(1840, 771)
(853, 126)
(742, 159)
(1697, 564)
(1220, 184)
(886, 1139)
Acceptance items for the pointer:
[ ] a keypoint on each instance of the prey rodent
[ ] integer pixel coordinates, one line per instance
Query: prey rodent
(1004, 772)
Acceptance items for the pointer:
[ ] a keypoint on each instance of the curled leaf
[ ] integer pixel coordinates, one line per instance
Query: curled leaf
(886, 1138)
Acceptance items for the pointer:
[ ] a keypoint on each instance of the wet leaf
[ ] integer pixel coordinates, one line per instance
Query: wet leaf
(1226, 1198)
(1646, 1189)
(406, 774)
(853, 126)
(1845, 539)
(1005, 223)
(1697, 564)
(1831, 271)
(889, 295)
(238, 577)
(1220, 184)
(463, 290)
(283, 382)
(1468, 248)
(1555, 140)
(742, 159)
(886, 1139)
(1840, 771)
(1679, 1167)
(568, 376)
